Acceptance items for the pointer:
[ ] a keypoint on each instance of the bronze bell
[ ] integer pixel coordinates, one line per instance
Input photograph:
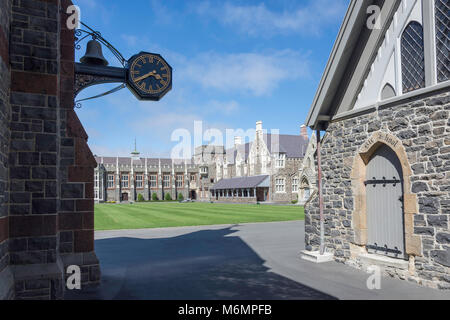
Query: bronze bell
(94, 54)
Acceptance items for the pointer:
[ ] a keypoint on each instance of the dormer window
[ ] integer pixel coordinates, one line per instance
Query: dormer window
(281, 160)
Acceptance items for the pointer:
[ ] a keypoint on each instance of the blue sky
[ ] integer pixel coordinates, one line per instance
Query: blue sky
(234, 63)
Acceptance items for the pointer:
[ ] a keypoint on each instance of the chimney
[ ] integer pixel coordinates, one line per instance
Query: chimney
(237, 141)
(304, 132)
(259, 126)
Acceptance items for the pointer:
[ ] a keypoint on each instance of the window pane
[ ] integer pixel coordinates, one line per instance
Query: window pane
(413, 58)
(442, 39)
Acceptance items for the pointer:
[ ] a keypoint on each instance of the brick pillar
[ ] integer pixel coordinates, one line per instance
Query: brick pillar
(48, 184)
(76, 218)
(33, 157)
(6, 277)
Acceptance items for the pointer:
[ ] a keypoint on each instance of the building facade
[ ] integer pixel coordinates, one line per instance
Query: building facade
(384, 104)
(279, 157)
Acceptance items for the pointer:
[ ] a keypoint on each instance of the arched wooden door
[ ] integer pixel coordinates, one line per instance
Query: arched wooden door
(384, 194)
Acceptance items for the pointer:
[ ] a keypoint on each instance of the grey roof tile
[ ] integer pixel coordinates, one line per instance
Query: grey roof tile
(242, 182)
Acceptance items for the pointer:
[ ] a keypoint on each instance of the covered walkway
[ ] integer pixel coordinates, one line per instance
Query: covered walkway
(242, 190)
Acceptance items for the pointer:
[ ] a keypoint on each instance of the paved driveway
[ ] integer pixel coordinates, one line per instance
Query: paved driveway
(250, 261)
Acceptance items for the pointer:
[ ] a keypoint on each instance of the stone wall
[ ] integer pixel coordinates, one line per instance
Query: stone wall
(289, 172)
(33, 155)
(6, 280)
(46, 198)
(423, 127)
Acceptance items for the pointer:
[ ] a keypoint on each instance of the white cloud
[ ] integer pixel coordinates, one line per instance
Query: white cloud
(224, 107)
(258, 20)
(255, 73)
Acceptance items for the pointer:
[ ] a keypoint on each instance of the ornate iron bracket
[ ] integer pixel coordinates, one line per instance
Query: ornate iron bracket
(89, 75)
(86, 76)
(81, 34)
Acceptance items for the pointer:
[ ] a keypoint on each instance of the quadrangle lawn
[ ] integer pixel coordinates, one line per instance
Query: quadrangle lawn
(174, 214)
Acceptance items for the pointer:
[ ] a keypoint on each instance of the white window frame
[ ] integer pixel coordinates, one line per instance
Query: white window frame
(111, 181)
(280, 160)
(96, 179)
(179, 180)
(153, 181)
(166, 182)
(139, 181)
(295, 185)
(125, 181)
(280, 185)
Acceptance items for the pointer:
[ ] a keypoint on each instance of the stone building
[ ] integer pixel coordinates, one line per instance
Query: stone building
(384, 104)
(277, 157)
(124, 179)
(46, 167)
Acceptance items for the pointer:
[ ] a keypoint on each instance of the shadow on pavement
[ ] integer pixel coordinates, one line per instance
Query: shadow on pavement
(203, 265)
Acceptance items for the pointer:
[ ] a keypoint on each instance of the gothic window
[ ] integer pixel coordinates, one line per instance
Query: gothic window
(413, 58)
(442, 13)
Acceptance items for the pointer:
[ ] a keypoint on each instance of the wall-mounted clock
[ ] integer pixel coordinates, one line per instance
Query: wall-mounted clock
(149, 76)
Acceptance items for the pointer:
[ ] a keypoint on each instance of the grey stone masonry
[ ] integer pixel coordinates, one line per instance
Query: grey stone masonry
(6, 282)
(46, 167)
(33, 197)
(423, 127)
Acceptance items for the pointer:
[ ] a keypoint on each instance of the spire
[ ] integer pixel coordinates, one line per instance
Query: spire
(135, 154)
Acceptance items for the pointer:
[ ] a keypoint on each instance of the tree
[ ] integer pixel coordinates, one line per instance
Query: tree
(155, 197)
(140, 198)
(168, 197)
(180, 197)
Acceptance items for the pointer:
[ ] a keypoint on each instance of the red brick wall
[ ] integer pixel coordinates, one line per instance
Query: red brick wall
(76, 218)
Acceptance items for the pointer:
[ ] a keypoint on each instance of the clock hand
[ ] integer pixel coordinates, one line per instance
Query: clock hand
(144, 77)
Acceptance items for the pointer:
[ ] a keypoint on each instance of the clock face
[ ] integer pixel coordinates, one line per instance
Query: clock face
(150, 76)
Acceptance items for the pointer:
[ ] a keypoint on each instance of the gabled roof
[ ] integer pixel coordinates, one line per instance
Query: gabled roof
(292, 146)
(350, 60)
(240, 183)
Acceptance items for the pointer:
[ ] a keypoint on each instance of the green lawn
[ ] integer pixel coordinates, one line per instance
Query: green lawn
(162, 215)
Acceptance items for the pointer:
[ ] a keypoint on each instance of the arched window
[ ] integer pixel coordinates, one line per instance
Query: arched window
(387, 92)
(442, 13)
(413, 58)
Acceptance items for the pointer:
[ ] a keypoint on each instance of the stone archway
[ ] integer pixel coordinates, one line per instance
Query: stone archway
(413, 245)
